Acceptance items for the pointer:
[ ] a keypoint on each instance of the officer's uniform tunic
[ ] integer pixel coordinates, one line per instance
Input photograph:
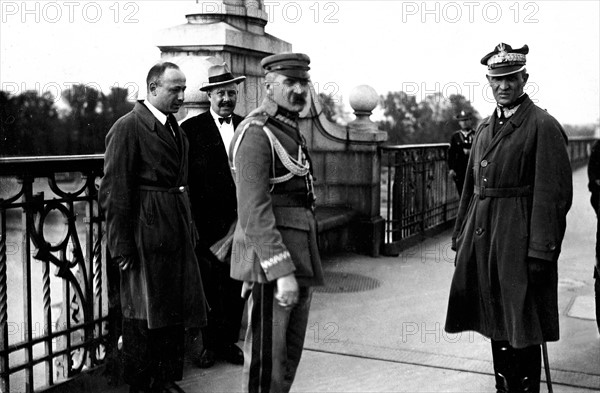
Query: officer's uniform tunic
(275, 236)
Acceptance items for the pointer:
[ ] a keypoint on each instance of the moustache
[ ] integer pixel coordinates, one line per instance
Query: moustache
(298, 99)
(226, 105)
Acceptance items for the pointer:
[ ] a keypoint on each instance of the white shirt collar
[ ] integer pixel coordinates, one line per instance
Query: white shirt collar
(161, 117)
(226, 130)
(216, 116)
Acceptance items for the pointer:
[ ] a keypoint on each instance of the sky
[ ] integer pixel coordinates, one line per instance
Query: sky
(419, 47)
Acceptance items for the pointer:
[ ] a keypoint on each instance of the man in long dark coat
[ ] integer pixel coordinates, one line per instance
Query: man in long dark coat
(151, 234)
(275, 249)
(214, 206)
(510, 227)
(594, 187)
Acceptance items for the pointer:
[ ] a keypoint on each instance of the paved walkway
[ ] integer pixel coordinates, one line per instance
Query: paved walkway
(390, 338)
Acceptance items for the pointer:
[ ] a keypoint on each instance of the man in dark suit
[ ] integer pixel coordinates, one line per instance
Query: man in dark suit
(214, 206)
(151, 235)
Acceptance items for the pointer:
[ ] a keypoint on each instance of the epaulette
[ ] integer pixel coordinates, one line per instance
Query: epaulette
(298, 166)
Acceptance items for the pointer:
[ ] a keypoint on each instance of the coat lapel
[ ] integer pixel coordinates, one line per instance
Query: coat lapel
(152, 123)
(183, 155)
(511, 125)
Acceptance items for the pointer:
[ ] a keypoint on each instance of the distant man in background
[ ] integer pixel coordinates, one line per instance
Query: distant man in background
(275, 249)
(460, 149)
(212, 193)
(510, 227)
(151, 234)
(594, 187)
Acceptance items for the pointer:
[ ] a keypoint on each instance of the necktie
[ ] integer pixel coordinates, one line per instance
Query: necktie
(171, 125)
(225, 119)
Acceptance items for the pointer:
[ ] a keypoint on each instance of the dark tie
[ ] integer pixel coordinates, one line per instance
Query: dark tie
(225, 119)
(172, 126)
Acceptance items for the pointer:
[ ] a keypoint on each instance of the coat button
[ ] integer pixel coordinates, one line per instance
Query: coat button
(552, 246)
(181, 189)
(478, 231)
(484, 163)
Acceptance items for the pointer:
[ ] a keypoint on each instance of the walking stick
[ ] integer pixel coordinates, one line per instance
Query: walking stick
(546, 366)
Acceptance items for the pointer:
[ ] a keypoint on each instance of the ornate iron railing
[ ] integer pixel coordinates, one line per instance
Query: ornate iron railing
(579, 150)
(417, 193)
(53, 300)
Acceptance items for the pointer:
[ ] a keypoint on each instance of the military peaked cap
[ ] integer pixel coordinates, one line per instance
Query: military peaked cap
(294, 65)
(504, 60)
(464, 115)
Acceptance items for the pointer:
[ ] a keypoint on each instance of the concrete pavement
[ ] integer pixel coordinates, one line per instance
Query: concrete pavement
(387, 336)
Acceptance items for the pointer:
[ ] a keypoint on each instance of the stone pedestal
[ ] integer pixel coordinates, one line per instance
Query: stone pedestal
(231, 30)
(347, 166)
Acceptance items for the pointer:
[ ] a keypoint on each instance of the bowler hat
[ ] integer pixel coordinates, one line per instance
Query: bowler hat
(504, 60)
(218, 75)
(294, 65)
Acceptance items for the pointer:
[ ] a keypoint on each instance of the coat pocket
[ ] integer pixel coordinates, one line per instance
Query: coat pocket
(147, 209)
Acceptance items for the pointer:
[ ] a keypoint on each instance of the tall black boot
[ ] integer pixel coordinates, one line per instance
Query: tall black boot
(528, 363)
(502, 353)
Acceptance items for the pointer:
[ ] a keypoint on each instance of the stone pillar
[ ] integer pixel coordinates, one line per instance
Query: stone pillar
(231, 30)
(347, 166)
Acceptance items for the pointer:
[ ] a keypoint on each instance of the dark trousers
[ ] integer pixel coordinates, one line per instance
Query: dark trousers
(274, 340)
(516, 370)
(151, 355)
(226, 304)
(459, 180)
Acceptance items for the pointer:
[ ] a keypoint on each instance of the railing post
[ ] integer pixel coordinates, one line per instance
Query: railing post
(4, 377)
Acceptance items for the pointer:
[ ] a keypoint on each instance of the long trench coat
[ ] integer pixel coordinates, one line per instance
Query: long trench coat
(143, 195)
(517, 193)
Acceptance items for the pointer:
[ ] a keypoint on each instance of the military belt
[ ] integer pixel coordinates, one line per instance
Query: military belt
(170, 190)
(507, 192)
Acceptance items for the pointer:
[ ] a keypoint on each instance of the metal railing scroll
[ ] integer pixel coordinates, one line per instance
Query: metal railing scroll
(53, 297)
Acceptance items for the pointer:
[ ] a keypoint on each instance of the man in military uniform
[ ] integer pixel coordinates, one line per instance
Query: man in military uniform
(510, 227)
(460, 149)
(274, 249)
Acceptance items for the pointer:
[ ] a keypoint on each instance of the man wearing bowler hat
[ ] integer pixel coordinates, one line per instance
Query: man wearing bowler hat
(510, 227)
(460, 149)
(213, 199)
(275, 249)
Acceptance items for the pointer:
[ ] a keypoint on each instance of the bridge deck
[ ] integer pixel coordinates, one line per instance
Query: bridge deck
(388, 335)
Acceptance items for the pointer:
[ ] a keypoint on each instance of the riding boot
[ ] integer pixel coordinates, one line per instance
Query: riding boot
(528, 362)
(503, 366)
